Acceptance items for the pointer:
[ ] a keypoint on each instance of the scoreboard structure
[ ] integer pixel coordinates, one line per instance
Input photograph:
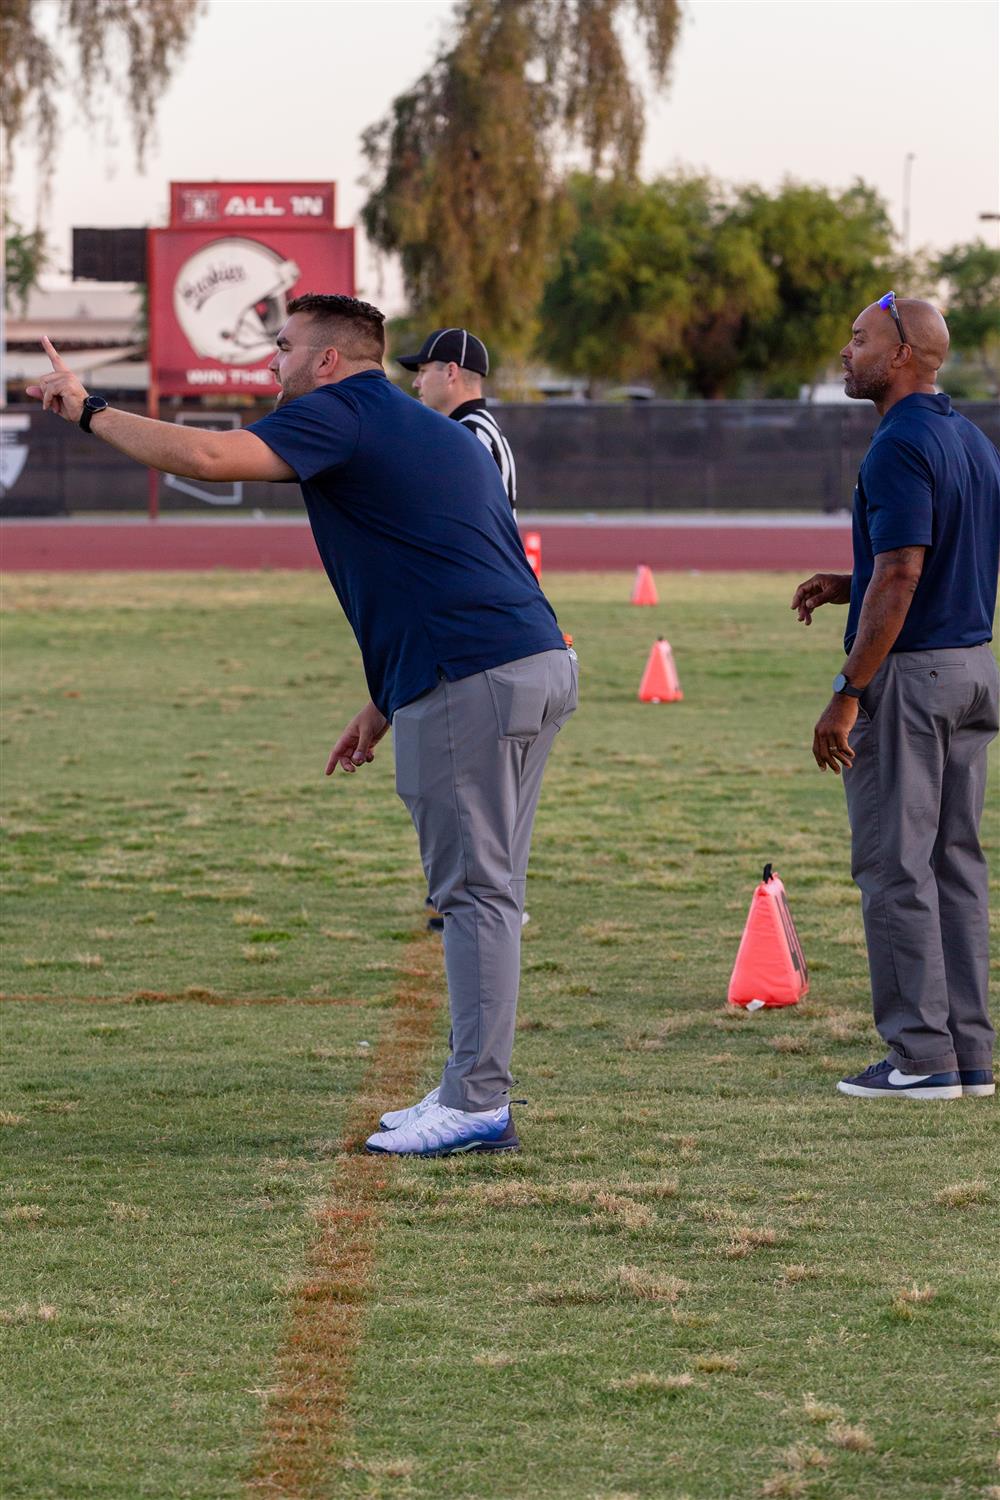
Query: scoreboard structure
(221, 276)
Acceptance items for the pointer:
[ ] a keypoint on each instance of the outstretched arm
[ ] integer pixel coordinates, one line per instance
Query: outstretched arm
(187, 451)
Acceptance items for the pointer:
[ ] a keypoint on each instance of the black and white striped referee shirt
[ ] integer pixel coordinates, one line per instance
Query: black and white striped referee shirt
(483, 424)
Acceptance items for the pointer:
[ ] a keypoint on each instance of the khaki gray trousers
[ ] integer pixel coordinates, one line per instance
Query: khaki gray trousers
(469, 762)
(915, 797)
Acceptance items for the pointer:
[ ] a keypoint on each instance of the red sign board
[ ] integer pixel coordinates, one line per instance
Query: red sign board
(219, 289)
(252, 205)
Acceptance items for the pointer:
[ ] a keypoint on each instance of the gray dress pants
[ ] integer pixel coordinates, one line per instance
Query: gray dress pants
(915, 797)
(469, 762)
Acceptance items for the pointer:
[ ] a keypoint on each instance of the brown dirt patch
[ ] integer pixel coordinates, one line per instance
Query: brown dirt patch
(305, 1422)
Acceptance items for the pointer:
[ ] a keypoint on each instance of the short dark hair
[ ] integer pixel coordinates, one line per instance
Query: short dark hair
(356, 328)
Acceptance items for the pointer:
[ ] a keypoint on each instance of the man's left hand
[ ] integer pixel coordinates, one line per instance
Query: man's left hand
(830, 737)
(62, 391)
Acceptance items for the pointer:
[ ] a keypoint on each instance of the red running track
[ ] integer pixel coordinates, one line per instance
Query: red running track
(602, 545)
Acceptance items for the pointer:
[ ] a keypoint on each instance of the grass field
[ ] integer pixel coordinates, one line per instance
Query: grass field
(706, 1276)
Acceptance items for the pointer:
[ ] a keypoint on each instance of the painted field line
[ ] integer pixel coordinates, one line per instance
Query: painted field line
(184, 997)
(305, 1430)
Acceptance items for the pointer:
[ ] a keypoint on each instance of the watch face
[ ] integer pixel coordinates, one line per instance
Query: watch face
(91, 406)
(839, 683)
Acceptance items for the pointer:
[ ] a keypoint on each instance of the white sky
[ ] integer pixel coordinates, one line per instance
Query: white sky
(821, 90)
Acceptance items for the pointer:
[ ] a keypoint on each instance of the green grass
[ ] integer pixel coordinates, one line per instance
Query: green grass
(707, 1275)
(156, 1225)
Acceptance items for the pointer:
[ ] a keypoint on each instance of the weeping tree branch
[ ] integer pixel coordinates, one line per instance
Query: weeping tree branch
(462, 168)
(89, 51)
(91, 48)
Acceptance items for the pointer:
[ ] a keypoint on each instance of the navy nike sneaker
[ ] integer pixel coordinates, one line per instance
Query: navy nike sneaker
(883, 1081)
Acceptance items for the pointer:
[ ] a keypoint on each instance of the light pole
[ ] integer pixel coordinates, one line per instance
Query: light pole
(908, 161)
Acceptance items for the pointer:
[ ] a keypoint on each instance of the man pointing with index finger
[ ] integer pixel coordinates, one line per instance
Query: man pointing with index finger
(191, 453)
(915, 707)
(462, 653)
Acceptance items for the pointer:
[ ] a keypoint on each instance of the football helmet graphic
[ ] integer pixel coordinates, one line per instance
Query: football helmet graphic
(230, 299)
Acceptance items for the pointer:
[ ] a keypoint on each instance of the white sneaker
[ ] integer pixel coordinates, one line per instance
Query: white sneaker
(441, 1131)
(394, 1118)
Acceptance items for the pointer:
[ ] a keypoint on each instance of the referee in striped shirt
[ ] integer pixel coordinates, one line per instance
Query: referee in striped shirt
(450, 368)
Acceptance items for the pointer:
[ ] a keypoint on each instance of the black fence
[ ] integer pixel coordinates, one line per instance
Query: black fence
(653, 456)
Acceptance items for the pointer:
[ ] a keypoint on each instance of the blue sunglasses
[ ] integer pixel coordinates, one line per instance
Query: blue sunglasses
(888, 304)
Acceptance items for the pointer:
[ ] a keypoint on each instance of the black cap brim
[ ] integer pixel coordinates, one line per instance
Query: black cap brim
(409, 361)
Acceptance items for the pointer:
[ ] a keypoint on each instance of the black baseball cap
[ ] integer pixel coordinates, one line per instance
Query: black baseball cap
(450, 346)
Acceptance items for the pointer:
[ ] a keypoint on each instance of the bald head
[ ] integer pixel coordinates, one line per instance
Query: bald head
(926, 332)
(879, 366)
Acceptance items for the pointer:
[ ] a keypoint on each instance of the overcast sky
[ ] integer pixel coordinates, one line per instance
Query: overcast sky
(821, 90)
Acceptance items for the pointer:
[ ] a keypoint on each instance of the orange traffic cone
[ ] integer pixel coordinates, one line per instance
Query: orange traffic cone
(770, 966)
(533, 549)
(660, 683)
(644, 589)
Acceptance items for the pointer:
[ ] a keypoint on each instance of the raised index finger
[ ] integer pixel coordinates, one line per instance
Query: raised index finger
(56, 359)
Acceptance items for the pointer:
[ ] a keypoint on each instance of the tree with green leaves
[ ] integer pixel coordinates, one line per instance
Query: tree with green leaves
(830, 254)
(656, 282)
(462, 168)
(707, 289)
(25, 258)
(971, 274)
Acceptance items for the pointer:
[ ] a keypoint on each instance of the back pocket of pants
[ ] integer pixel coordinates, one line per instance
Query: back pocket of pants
(520, 699)
(408, 732)
(935, 698)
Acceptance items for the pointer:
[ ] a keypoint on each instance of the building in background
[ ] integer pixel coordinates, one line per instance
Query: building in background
(99, 327)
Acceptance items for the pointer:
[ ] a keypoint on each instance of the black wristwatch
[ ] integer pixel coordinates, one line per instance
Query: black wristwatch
(91, 407)
(845, 687)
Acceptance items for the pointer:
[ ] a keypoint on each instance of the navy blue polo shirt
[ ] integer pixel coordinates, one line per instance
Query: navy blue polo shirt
(414, 529)
(931, 479)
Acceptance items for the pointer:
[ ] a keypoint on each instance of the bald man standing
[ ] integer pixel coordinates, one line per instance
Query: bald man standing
(915, 707)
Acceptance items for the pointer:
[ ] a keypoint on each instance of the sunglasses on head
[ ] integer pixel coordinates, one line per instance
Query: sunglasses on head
(888, 304)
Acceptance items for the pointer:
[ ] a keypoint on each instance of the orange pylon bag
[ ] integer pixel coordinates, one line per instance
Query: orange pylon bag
(660, 683)
(644, 589)
(770, 966)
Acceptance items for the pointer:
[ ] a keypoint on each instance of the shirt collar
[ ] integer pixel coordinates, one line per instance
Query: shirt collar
(378, 373)
(939, 402)
(466, 408)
